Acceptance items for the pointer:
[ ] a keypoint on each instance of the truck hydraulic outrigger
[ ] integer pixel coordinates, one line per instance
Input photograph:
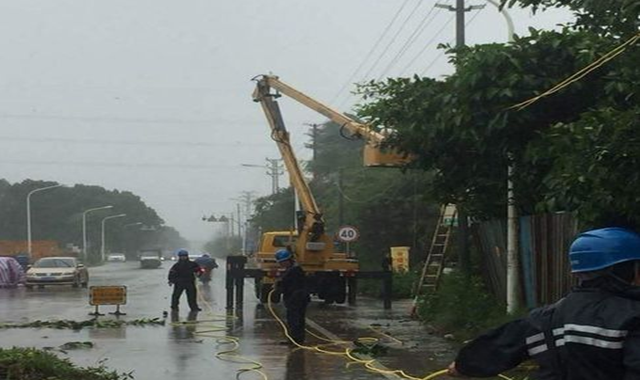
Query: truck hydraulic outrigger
(236, 273)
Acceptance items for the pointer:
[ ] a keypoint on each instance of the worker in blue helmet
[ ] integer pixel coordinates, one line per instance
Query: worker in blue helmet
(182, 276)
(591, 334)
(293, 286)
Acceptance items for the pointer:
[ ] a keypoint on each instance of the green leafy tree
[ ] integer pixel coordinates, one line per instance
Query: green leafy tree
(57, 215)
(464, 130)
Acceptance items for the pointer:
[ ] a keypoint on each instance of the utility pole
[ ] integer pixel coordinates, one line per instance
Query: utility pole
(275, 170)
(464, 260)
(314, 144)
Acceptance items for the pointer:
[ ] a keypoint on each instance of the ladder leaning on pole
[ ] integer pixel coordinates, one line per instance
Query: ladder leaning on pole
(434, 264)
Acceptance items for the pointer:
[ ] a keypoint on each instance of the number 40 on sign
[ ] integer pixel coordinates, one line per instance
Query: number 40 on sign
(348, 234)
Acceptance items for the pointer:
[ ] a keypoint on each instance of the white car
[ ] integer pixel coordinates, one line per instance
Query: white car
(116, 257)
(57, 271)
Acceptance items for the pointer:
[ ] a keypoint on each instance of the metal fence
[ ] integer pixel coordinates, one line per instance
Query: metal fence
(544, 265)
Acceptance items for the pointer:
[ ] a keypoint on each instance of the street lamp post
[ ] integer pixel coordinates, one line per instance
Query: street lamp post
(84, 228)
(513, 278)
(29, 213)
(102, 231)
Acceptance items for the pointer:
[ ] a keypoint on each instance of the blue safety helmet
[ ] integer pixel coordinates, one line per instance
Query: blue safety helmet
(283, 255)
(182, 252)
(602, 248)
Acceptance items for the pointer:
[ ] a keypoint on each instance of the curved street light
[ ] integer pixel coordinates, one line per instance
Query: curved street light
(84, 228)
(29, 212)
(102, 232)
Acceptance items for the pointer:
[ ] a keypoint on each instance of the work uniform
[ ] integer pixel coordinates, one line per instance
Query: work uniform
(182, 276)
(591, 334)
(293, 287)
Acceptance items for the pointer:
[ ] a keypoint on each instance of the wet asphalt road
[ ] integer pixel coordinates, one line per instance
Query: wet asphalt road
(189, 350)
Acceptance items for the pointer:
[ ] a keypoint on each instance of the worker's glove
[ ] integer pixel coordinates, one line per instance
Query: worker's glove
(453, 371)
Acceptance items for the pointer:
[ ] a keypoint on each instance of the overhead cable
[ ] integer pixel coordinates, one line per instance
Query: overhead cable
(441, 54)
(370, 53)
(580, 73)
(428, 44)
(426, 21)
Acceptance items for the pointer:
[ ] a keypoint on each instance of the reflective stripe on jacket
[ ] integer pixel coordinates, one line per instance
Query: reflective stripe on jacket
(591, 334)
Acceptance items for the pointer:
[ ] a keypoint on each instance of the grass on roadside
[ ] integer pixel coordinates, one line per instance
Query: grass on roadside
(403, 284)
(462, 306)
(33, 364)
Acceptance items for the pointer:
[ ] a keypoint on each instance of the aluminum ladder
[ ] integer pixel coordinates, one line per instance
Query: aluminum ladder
(434, 264)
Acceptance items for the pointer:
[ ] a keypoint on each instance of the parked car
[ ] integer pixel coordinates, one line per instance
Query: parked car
(116, 257)
(57, 271)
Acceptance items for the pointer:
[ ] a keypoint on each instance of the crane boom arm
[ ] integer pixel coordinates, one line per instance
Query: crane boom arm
(313, 225)
(359, 129)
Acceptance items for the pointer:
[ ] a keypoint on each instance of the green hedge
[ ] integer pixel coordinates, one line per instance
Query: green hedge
(34, 364)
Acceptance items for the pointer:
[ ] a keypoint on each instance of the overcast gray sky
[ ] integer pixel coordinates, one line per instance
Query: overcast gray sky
(154, 96)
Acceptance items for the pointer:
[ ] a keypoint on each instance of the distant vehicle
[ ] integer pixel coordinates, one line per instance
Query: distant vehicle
(150, 259)
(116, 257)
(57, 271)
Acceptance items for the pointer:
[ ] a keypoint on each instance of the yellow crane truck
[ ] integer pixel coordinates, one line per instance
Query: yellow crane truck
(328, 271)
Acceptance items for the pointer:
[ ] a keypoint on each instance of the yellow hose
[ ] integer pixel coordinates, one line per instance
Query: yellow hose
(218, 332)
(369, 364)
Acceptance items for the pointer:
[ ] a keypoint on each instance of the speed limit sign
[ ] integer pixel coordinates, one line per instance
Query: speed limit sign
(348, 234)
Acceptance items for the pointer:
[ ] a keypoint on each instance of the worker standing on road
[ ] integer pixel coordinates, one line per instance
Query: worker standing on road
(182, 276)
(591, 334)
(293, 286)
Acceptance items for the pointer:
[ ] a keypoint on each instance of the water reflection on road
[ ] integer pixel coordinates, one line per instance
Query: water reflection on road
(178, 350)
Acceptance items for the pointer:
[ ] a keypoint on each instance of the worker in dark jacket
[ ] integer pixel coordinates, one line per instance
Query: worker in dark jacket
(591, 334)
(295, 294)
(182, 276)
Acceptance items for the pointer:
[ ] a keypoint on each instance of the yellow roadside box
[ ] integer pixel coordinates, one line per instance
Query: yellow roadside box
(400, 259)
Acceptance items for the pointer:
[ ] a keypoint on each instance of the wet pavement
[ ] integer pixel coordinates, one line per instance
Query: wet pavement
(187, 345)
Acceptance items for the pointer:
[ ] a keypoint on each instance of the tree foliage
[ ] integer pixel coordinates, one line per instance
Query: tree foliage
(57, 215)
(463, 128)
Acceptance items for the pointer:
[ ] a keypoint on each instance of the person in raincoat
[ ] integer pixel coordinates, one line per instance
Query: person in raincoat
(11, 273)
(207, 264)
(182, 276)
(295, 294)
(591, 334)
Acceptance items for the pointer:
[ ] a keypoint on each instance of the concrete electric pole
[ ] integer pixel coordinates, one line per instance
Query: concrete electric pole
(463, 229)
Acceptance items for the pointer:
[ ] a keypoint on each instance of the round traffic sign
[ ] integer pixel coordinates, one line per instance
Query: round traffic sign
(348, 234)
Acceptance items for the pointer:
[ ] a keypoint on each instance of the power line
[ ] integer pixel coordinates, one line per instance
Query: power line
(441, 54)
(428, 44)
(235, 144)
(115, 164)
(370, 53)
(393, 39)
(426, 21)
(119, 119)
